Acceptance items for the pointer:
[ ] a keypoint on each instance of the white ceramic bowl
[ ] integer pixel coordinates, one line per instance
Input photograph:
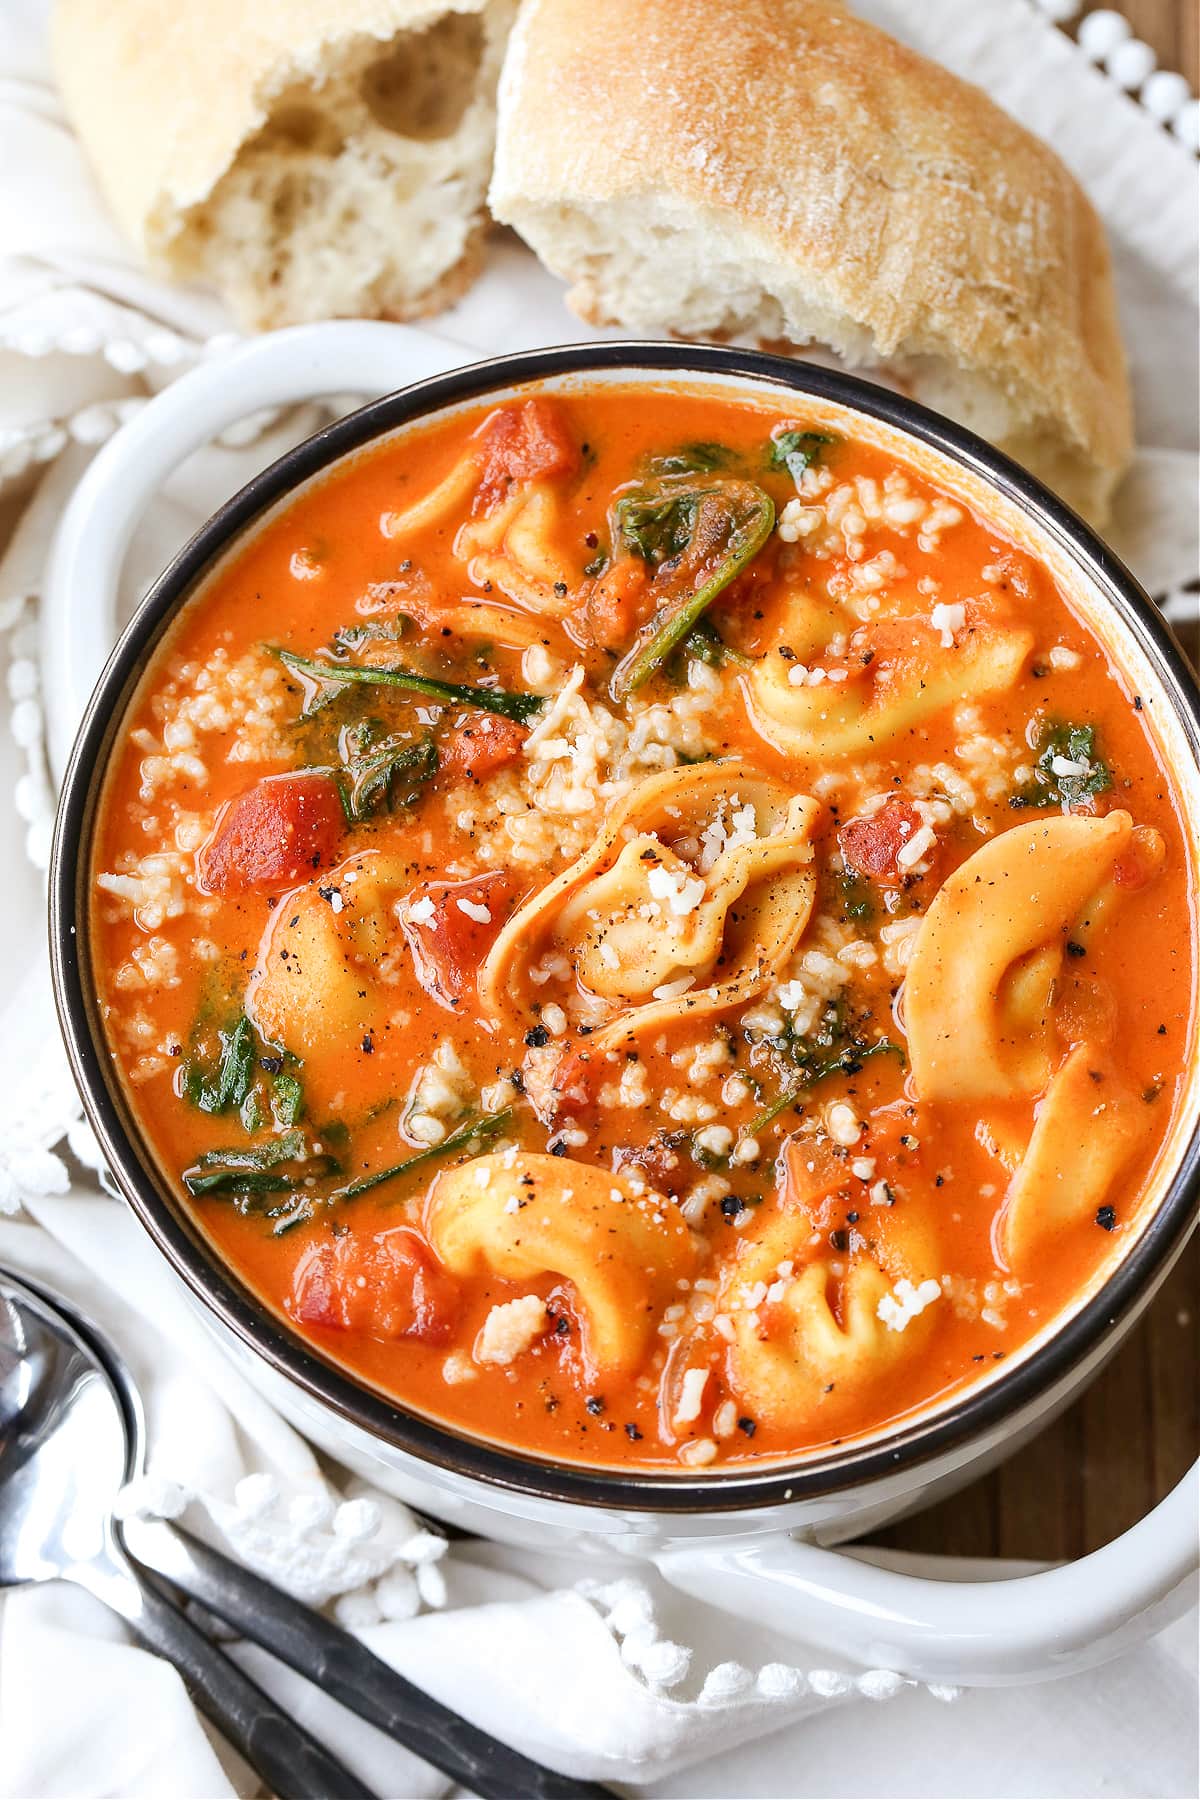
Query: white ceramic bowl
(750, 1540)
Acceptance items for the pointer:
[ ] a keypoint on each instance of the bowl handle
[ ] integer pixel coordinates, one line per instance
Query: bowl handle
(973, 1633)
(306, 362)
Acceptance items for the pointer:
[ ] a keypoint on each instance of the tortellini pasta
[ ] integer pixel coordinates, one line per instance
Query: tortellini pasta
(811, 1342)
(521, 1215)
(979, 991)
(502, 625)
(1085, 1130)
(894, 676)
(690, 900)
(441, 502)
(508, 481)
(315, 988)
(512, 548)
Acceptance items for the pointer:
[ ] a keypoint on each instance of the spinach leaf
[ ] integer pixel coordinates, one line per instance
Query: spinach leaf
(251, 1112)
(796, 451)
(855, 895)
(656, 527)
(691, 459)
(322, 681)
(698, 535)
(389, 773)
(250, 1172)
(287, 1099)
(234, 1078)
(706, 644)
(474, 1131)
(847, 1062)
(769, 1114)
(349, 638)
(835, 1046)
(1065, 743)
(221, 1083)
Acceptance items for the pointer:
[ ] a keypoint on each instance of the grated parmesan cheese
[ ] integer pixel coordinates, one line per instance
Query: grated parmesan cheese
(949, 620)
(843, 1124)
(510, 1329)
(906, 1302)
(681, 891)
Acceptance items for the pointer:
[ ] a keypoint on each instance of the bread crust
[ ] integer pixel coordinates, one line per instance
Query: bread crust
(166, 99)
(164, 96)
(883, 188)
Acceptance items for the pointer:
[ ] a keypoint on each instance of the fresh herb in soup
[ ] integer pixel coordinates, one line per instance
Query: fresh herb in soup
(645, 929)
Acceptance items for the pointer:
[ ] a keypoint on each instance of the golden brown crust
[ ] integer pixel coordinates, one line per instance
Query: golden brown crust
(877, 186)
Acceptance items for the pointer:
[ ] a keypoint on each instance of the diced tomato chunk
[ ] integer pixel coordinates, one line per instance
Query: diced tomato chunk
(484, 743)
(450, 927)
(658, 1162)
(389, 1285)
(616, 604)
(1141, 860)
(315, 1298)
(811, 1171)
(276, 833)
(575, 1082)
(1128, 872)
(529, 442)
(871, 844)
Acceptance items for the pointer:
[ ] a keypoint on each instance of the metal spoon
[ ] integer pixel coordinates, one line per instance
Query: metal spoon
(68, 1444)
(71, 1435)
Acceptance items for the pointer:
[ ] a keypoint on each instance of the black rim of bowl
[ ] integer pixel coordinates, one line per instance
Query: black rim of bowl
(939, 1431)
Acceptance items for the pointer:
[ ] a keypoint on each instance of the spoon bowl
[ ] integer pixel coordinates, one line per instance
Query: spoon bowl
(68, 1444)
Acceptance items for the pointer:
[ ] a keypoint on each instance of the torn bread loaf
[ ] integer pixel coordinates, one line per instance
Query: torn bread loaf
(784, 171)
(307, 158)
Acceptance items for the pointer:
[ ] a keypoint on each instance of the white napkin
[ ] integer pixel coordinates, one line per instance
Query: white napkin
(598, 1670)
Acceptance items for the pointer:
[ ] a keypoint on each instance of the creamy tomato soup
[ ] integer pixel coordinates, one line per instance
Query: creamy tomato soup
(645, 930)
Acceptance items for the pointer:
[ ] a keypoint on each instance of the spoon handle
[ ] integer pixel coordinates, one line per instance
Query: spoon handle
(291, 1763)
(347, 1670)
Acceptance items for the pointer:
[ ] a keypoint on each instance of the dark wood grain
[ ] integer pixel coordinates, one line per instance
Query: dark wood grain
(1129, 1439)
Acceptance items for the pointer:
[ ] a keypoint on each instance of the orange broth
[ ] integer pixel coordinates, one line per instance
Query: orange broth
(194, 903)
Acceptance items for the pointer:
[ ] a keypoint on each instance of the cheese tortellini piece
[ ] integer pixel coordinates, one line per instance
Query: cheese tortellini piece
(691, 900)
(622, 1246)
(508, 626)
(812, 1342)
(893, 677)
(512, 549)
(444, 501)
(508, 478)
(1085, 1130)
(979, 992)
(315, 988)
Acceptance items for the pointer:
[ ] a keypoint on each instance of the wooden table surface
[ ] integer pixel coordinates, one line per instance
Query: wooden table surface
(1119, 1449)
(1172, 29)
